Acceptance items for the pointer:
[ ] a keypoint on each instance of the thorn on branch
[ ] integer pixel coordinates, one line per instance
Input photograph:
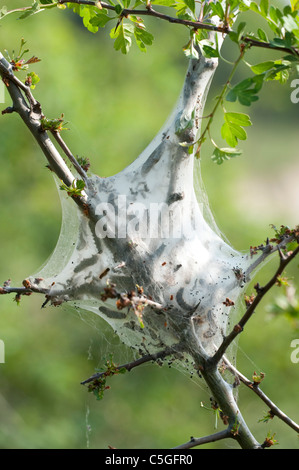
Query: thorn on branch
(259, 289)
(8, 110)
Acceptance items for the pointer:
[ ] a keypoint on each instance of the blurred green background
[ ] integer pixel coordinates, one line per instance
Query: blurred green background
(114, 105)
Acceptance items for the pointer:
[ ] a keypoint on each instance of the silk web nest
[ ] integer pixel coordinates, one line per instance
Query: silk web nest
(147, 255)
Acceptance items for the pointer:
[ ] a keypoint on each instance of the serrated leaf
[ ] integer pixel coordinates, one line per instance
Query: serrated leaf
(262, 67)
(232, 133)
(218, 10)
(35, 8)
(221, 154)
(264, 6)
(100, 19)
(190, 50)
(209, 52)
(254, 7)
(290, 23)
(143, 38)
(246, 91)
(190, 4)
(122, 36)
(294, 5)
(34, 79)
(262, 35)
(238, 118)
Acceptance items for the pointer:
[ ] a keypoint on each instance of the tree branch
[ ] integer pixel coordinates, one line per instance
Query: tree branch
(267, 250)
(274, 410)
(69, 154)
(31, 114)
(261, 292)
(149, 11)
(194, 442)
(137, 362)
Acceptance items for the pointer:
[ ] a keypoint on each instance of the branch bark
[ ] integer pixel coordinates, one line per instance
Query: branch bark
(274, 410)
(195, 25)
(198, 441)
(261, 292)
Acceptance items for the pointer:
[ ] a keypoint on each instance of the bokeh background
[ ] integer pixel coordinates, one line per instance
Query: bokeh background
(114, 105)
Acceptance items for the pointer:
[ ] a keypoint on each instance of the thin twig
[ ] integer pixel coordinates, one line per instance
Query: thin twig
(69, 154)
(149, 11)
(267, 250)
(137, 362)
(261, 292)
(274, 410)
(225, 434)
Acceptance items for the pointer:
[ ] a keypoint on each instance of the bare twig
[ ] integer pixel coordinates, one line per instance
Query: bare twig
(194, 442)
(261, 292)
(267, 250)
(69, 154)
(274, 410)
(137, 362)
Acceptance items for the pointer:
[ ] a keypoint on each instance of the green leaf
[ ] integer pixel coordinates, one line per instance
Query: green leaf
(294, 5)
(263, 67)
(290, 23)
(143, 38)
(87, 13)
(232, 132)
(262, 35)
(3, 11)
(190, 50)
(218, 10)
(255, 7)
(122, 36)
(238, 118)
(190, 4)
(221, 154)
(246, 91)
(33, 79)
(35, 8)
(209, 51)
(164, 3)
(118, 9)
(100, 19)
(264, 6)
(184, 122)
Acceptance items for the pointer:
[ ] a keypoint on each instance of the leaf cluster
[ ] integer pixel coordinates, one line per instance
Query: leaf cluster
(99, 385)
(75, 190)
(279, 32)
